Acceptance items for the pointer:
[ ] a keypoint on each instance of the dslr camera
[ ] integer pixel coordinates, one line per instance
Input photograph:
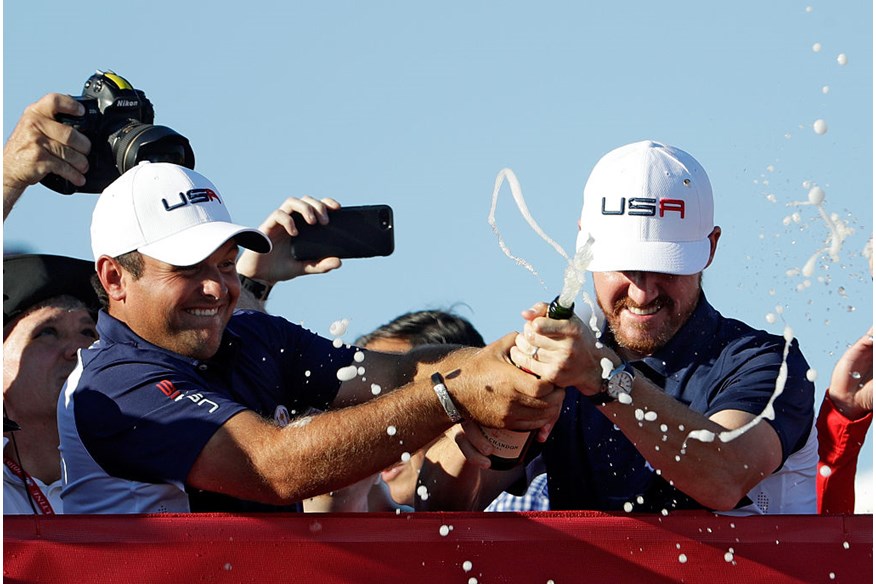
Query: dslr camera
(118, 121)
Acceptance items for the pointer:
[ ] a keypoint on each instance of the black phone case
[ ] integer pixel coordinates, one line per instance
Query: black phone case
(352, 232)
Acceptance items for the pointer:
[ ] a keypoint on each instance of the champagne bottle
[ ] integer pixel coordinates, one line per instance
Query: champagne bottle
(511, 446)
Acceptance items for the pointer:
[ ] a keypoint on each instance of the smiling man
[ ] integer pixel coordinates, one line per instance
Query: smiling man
(184, 395)
(671, 405)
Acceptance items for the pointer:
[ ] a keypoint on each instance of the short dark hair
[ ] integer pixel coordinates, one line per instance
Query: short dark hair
(132, 262)
(427, 327)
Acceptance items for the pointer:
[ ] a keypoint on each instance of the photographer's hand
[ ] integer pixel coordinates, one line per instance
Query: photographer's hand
(279, 265)
(40, 145)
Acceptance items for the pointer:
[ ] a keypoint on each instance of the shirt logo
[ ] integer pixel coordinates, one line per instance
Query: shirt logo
(192, 197)
(646, 207)
(167, 387)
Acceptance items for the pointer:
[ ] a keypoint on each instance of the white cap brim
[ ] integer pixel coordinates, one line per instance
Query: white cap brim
(678, 258)
(196, 243)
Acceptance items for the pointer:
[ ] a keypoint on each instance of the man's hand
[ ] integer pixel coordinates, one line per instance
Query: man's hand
(851, 385)
(279, 265)
(564, 352)
(39, 146)
(490, 390)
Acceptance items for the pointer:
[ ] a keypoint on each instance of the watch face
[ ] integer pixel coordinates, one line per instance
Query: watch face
(620, 382)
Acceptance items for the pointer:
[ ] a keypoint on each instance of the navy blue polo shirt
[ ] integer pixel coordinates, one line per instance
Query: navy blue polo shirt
(712, 364)
(134, 417)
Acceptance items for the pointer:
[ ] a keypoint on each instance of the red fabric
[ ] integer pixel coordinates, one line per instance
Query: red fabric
(839, 443)
(434, 547)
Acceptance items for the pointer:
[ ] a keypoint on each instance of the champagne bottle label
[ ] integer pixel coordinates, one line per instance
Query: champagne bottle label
(507, 443)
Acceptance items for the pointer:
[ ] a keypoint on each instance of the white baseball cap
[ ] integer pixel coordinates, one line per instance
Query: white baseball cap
(166, 212)
(648, 207)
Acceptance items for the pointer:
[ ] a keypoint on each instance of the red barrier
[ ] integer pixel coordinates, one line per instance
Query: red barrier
(438, 547)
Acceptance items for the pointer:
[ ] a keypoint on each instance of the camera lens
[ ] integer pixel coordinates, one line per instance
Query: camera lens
(137, 142)
(383, 217)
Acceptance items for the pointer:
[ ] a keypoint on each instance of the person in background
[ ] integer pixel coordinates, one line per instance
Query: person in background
(663, 407)
(183, 392)
(48, 308)
(843, 421)
(394, 487)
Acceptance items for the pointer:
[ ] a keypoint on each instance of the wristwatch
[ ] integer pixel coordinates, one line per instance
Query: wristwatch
(619, 381)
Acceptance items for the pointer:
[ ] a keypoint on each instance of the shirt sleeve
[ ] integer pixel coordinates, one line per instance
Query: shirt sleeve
(839, 443)
(761, 373)
(152, 425)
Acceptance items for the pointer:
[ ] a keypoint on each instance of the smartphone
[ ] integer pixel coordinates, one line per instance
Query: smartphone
(365, 231)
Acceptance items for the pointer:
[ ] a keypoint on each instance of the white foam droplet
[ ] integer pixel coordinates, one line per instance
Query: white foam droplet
(816, 195)
(650, 416)
(845, 545)
(375, 389)
(640, 415)
(607, 367)
(406, 456)
(842, 59)
(825, 90)
(728, 557)
(390, 430)
(625, 399)
(702, 435)
(339, 327)
(628, 507)
(423, 492)
(825, 471)
(443, 530)
(820, 126)
(816, 48)
(770, 318)
(307, 373)
(682, 559)
(358, 356)
(466, 566)
(812, 375)
(336, 343)
(360, 370)
(809, 267)
(347, 373)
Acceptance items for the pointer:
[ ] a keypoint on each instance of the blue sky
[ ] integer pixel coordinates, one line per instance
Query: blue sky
(420, 106)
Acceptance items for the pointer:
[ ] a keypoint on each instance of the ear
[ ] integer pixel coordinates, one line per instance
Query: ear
(714, 236)
(112, 277)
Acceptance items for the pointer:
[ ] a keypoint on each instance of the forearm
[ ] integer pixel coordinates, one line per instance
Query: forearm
(252, 459)
(687, 448)
(454, 484)
(11, 194)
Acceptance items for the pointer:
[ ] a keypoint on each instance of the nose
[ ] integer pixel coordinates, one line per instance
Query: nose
(72, 344)
(213, 285)
(642, 288)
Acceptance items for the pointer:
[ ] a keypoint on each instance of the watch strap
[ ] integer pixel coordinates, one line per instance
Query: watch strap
(257, 289)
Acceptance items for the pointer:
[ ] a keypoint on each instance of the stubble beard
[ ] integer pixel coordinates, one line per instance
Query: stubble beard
(639, 337)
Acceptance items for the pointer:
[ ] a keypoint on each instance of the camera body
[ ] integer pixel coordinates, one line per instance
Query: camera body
(118, 121)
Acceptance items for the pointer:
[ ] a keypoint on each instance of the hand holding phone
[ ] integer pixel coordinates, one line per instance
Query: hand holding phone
(352, 232)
